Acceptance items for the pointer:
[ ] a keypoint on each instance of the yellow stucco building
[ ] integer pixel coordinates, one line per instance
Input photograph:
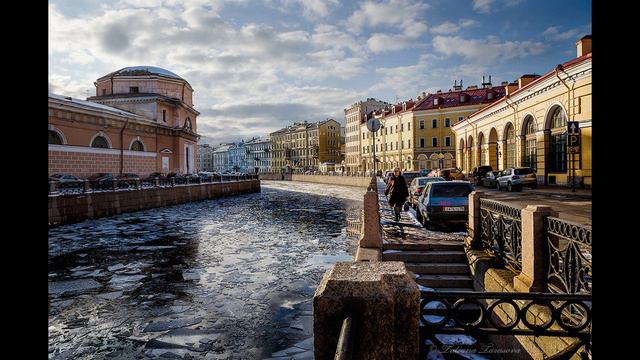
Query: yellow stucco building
(528, 127)
(304, 146)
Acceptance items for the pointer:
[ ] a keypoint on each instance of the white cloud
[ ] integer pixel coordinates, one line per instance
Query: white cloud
(382, 42)
(486, 52)
(553, 33)
(483, 6)
(393, 13)
(448, 27)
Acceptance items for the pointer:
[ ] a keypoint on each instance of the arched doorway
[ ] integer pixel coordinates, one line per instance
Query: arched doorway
(461, 151)
(482, 152)
(556, 126)
(493, 149)
(472, 154)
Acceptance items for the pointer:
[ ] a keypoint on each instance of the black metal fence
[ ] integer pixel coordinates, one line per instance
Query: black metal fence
(569, 256)
(85, 186)
(481, 314)
(501, 232)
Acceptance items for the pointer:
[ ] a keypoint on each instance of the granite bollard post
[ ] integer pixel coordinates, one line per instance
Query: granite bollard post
(533, 277)
(383, 300)
(472, 240)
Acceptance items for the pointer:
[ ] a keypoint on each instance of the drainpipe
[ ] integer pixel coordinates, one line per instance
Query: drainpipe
(557, 69)
(122, 146)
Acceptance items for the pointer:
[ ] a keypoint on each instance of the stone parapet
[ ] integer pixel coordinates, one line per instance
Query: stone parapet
(74, 208)
(383, 300)
(363, 181)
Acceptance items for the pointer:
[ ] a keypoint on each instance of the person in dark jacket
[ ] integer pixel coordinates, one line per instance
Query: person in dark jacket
(397, 192)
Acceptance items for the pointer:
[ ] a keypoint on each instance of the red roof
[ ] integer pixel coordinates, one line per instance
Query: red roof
(569, 63)
(452, 98)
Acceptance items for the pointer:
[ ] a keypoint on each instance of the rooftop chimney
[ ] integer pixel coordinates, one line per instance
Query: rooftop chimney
(504, 83)
(486, 84)
(584, 45)
(511, 88)
(456, 86)
(472, 87)
(526, 79)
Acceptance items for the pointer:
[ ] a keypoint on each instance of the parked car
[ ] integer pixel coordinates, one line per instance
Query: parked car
(410, 175)
(417, 186)
(477, 174)
(449, 173)
(101, 177)
(444, 203)
(129, 176)
(63, 178)
(516, 178)
(153, 176)
(490, 179)
(425, 172)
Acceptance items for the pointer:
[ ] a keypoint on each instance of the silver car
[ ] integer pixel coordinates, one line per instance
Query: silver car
(516, 178)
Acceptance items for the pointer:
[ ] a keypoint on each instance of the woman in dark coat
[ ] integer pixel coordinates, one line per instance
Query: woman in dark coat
(397, 192)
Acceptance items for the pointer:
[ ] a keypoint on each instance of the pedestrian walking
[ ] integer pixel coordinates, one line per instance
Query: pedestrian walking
(397, 192)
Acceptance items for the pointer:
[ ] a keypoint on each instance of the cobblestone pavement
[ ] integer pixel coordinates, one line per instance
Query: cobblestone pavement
(230, 278)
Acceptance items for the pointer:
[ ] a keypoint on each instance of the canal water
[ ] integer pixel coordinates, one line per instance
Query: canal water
(230, 278)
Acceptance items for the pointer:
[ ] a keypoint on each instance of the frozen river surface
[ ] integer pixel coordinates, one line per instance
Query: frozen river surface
(231, 278)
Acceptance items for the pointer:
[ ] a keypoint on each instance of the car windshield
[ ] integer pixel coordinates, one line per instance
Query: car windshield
(451, 191)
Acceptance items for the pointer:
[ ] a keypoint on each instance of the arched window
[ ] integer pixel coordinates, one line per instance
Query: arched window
(482, 150)
(100, 142)
(137, 146)
(510, 145)
(54, 138)
(187, 124)
(530, 159)
(558, 156)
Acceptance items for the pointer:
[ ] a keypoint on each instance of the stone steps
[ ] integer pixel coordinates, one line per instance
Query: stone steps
(444, 256)
(437, 268)
(444, 280)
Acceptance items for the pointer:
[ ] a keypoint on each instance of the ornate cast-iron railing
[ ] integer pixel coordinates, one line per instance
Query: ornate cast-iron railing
(79, 187)
(354, 222)
(501, 232)
(480, 314)
(569, 256)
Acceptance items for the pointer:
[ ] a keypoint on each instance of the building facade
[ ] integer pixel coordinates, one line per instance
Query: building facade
(529, 126)
(221, 158)
(237, 157)
(141, 120)
(303, 146)
(258, 158)
(205, 157)
(354, 116)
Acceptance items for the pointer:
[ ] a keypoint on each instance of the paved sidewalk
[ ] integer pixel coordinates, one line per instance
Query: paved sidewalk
(557, 190)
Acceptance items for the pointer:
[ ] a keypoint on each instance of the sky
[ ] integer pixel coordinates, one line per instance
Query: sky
(257, 66)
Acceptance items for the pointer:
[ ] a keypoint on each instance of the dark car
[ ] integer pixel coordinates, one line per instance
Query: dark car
(410, 175)
(477, 174)
(490, 179)
(63, 178)
(449, 173)
(129, 176)
(153, 176)
(444, 203)
(101, 177)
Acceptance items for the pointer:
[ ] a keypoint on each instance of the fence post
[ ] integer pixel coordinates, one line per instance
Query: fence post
(52, 187)
(85, 186)
(173, 181)
(157, 181)
(474, 229)
(533, 277)
(114, 184)
(137, 184)
(383, 300)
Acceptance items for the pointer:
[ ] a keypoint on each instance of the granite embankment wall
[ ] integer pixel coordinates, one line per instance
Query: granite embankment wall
(360, 181)
(73, 208)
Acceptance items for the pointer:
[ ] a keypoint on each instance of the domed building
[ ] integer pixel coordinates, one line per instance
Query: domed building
(141, 120)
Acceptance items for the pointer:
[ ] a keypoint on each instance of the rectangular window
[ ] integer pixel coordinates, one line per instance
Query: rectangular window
(409, 144)
(434, 123)
(164, 115)
(408, 126)
(391, 130)
(422, 142)
(397, 146)
(421, 124)
(434, 142)
(402, 144)
(133, 89)
(391, 146)
(460, 118)
(447, 122)
(447, 141)
(104, 91)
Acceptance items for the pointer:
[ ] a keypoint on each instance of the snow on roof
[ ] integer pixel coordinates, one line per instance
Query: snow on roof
(92, 104)
(149, 69)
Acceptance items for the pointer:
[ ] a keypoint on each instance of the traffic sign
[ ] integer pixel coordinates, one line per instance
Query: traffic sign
(574, 140)
(573, 127)
(574, 149)
(373, 125)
